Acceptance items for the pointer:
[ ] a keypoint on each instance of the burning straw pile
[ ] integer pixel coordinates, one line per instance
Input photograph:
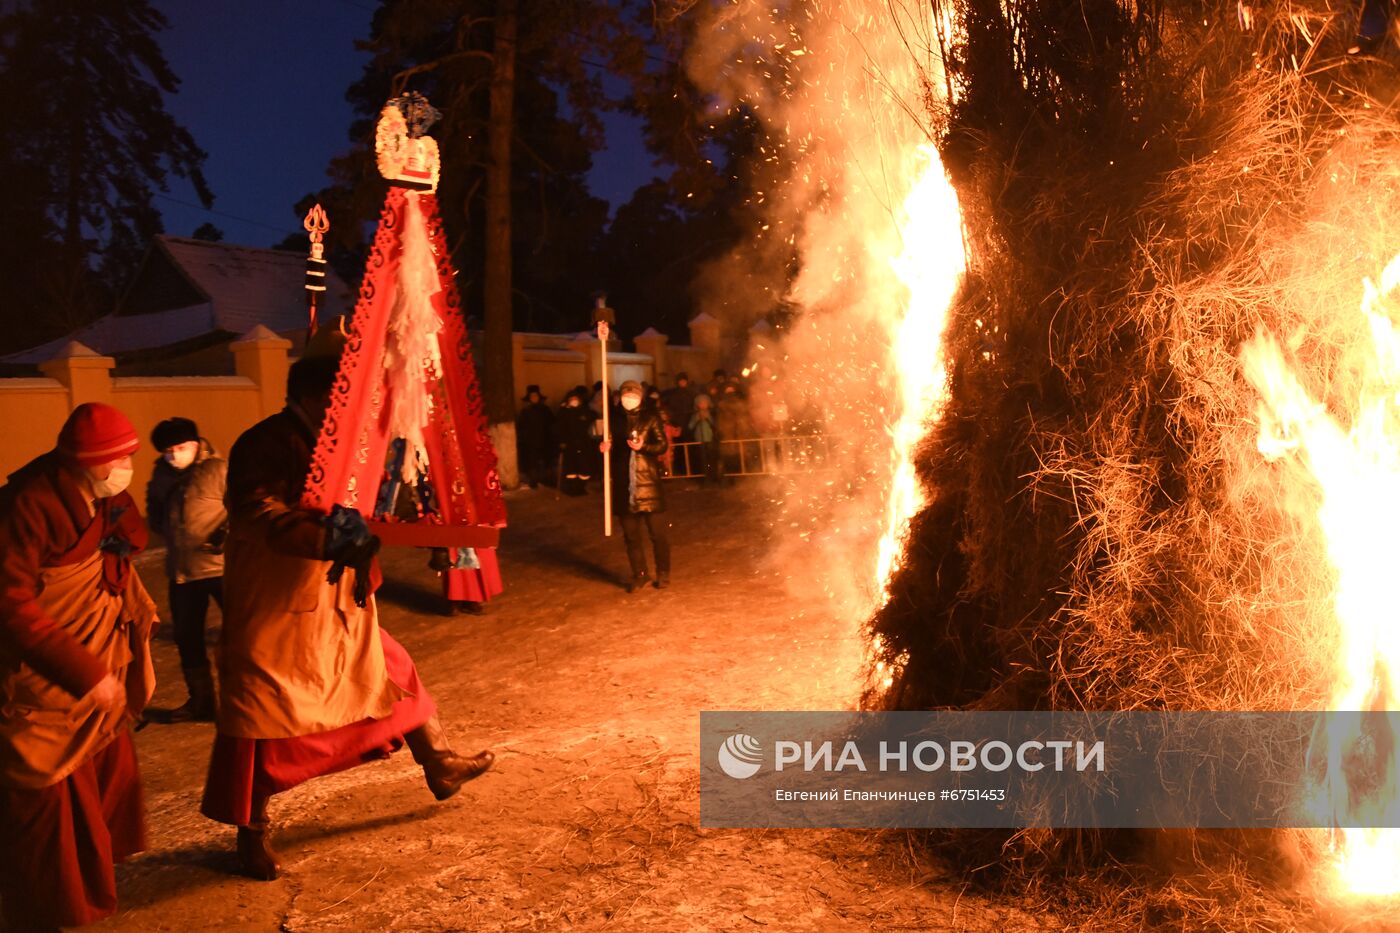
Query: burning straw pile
(1144, 190)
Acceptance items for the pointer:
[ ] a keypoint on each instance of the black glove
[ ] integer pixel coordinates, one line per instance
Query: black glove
(359, 557)
(353, 555)
(216, 541)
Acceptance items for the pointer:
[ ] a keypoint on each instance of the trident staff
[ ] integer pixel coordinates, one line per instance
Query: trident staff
(316, 224)
(604, 318)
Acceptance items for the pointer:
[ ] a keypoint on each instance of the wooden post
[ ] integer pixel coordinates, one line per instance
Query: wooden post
(604, 318)
(607, 434)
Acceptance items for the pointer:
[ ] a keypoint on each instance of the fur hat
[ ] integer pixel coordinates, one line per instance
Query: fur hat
(631, 385)
(174, 431)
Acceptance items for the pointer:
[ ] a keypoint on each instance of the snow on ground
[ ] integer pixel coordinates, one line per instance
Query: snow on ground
(591, 699)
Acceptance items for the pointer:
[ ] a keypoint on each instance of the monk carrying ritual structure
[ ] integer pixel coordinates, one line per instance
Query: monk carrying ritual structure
(383, 440)
(75, 671)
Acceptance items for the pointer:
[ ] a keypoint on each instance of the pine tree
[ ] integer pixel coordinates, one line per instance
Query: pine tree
(698, 209)
(85, 144)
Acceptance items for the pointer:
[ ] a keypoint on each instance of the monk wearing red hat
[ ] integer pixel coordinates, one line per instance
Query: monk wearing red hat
(75, 670)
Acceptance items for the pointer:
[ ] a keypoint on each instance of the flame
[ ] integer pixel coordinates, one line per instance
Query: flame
(929, 266)
(1357, 472)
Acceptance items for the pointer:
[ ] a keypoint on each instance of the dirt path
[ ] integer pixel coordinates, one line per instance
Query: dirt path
(589, 820)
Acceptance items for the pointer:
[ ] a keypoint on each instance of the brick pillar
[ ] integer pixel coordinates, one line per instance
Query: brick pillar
(704, 335)
(653, 344)
(85, 373)
(587, 344)
(261, 355)
(760, 346)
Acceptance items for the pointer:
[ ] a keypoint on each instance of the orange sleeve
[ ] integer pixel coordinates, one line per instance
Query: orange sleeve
(26, 631)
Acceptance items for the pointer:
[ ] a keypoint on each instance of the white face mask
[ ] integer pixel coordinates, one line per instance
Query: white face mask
(631, 402)
(116, 482)
(182, 455)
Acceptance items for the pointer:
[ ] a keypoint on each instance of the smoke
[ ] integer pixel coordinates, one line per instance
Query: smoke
(846, 95)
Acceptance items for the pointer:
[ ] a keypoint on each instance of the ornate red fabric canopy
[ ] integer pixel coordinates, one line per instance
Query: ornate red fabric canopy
(406, 407)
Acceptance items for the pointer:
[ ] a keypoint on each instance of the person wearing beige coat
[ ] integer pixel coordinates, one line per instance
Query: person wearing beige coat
(185, 506)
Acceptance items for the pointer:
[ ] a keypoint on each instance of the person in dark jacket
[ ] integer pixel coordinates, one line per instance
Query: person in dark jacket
(574, 426)
(185, 506)
(679, 402)
(734, 424)
(534, 438)
(637, 498)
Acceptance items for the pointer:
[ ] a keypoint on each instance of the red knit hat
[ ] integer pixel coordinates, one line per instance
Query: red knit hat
(95, 434)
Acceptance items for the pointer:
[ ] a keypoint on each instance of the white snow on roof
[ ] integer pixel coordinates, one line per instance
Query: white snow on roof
(245, 287)
(113, 334)
(248, 286)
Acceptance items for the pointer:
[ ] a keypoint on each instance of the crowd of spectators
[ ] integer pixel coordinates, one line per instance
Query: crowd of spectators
(557, 443)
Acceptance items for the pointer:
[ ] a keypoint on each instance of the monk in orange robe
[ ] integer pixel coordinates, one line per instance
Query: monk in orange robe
(75, 670)
(309, 683)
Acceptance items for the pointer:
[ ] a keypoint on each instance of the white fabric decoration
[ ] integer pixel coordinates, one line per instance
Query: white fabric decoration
(411, 355)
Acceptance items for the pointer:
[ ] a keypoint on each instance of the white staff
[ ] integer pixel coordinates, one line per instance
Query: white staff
(603, 316)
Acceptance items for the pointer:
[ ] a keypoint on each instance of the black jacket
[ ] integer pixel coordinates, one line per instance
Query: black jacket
(680, 404)
(534, 431)
(642, 494)
(574, 427)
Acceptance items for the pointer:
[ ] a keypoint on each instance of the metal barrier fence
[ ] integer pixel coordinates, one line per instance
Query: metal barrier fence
(755, 456)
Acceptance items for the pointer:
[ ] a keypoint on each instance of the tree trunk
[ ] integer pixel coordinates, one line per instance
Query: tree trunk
(498, 383)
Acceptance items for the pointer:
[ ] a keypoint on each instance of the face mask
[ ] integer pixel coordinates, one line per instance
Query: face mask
(631, 402)
(182, 455)
(116, 482)
(573, 403)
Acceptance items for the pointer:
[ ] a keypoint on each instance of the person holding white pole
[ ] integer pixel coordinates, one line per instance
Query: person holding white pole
(637, 496)
(604, 318)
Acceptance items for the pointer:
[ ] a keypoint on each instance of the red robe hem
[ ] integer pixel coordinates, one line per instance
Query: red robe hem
(59, 844)
(475, 586)
(241, 769)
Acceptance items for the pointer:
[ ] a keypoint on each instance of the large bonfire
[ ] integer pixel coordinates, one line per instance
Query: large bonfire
(1104, 532)
(1092, 524)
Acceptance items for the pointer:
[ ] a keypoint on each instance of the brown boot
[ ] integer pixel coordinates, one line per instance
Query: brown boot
(445, 770)
(255, 855)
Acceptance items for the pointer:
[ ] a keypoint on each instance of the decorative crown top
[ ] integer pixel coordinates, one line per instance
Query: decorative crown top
(418, 114)
(406, 157)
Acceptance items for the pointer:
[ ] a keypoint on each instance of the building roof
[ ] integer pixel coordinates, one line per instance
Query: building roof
(190, 289)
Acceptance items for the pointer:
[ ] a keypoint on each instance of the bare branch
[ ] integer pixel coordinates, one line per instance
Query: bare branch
(401, 79)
